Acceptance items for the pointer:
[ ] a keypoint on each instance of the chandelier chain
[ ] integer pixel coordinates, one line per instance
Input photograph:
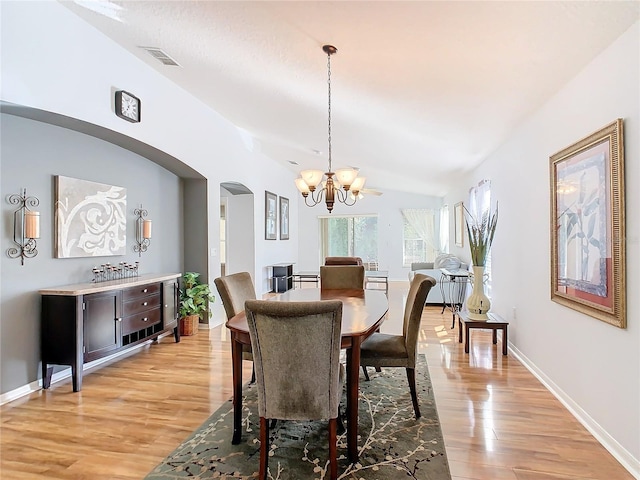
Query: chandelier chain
(329, 110)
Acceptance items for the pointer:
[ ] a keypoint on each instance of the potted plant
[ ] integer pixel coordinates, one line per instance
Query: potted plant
(194, 302)
(480, 231)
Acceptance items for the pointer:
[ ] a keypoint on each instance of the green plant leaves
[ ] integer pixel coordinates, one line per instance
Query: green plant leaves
(194, 297)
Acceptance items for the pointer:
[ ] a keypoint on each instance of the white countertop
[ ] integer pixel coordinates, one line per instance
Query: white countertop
(90, 287)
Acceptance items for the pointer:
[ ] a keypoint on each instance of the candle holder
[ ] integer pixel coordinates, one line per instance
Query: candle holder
(143, 231)
(26, 226)
(106, 271)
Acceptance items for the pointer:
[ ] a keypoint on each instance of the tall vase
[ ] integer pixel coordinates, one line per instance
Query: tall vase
(478, 303)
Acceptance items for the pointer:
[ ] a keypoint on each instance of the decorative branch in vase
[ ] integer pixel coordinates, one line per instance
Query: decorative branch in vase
(480, 230)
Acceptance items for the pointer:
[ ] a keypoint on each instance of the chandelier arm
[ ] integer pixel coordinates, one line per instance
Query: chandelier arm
(316, 197)
(343, 197)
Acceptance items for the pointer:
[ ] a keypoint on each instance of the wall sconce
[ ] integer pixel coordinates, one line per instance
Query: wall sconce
(143, 231)
(26, 226)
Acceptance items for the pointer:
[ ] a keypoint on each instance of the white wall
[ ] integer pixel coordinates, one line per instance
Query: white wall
(593, 366)
(387, 207)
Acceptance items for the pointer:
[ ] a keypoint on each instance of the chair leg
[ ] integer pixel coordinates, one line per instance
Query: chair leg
(264, 447)
(411, 377)
(366, 374)
(333, 449)
(253, 375)
(341, 428)
(378, 369)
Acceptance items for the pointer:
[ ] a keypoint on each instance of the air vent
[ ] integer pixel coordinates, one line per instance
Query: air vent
(162, 56)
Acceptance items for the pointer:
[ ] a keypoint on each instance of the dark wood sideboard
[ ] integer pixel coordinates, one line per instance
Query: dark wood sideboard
(84, 322)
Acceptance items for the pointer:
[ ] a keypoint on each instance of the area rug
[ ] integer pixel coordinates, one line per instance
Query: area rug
(392, 444)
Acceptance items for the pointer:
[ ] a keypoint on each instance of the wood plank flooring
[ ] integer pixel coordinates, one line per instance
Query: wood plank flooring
(499, 422)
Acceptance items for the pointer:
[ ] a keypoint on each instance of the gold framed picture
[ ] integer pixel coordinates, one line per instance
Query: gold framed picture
(588, 226)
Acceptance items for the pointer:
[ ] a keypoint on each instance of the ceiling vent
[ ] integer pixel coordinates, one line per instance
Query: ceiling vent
(162, 56)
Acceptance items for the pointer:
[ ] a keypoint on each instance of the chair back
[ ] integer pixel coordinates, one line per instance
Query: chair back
(342, 277)
(296, 353)
(418, 291)
(343, 261)
(234, 291)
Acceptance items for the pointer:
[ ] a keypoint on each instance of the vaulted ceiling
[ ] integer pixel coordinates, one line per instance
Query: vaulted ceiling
(421, 91)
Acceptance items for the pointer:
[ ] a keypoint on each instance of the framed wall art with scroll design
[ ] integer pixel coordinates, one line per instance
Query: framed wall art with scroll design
(90, 218)
(588, 226)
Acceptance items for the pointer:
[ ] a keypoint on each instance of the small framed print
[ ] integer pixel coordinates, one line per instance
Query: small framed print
(284, 218)
(270, 215)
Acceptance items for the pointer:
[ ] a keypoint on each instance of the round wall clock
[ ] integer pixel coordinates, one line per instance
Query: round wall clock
(127, 106)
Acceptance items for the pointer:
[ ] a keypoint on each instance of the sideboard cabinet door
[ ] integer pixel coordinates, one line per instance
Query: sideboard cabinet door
(102, 324)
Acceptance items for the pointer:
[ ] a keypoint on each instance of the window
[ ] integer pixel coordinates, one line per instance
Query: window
(419, 236)
(355, 236)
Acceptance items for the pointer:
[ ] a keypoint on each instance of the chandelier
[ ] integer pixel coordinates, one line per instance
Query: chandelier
(343, 185)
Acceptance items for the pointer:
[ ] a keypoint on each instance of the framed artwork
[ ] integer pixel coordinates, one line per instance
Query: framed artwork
(284, 218)
(588, 226)
(270, 215)
(458, 224)
(90, 218)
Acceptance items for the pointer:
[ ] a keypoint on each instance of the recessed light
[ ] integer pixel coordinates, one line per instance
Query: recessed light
(293, 163)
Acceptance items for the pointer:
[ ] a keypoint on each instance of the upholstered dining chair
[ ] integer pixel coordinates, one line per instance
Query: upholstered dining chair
(384, 350)
(234, 291)
(342, 261)
(342, 277)
(296, 354)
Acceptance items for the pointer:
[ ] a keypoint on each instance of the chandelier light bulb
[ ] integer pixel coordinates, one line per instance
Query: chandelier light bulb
(346, 176)
(302, 186)
(358, 185)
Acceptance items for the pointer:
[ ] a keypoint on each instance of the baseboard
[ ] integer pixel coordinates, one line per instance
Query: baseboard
(66, 373)
(626, 459)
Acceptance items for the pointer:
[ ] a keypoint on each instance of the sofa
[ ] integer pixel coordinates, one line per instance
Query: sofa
(433, 269)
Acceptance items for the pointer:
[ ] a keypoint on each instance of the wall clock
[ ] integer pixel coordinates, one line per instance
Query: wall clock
(127, 106)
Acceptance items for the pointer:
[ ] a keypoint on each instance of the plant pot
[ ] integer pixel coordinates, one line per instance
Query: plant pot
(189, 325)
(478, 303)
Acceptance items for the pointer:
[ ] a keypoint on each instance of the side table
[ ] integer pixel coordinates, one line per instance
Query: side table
(456, 280)
(495, 323)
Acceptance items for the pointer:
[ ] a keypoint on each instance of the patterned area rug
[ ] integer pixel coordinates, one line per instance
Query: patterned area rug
(392, 443)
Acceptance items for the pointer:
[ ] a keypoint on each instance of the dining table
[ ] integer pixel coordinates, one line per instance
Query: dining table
(363, 311)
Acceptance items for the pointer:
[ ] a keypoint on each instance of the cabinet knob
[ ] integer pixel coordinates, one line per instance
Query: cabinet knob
(144, 291)
(119, 319)
(145, 319)
(144, 304)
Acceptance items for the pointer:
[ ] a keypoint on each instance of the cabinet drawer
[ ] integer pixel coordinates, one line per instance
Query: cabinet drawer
(141, 291)
(137, 305)
(133, 323)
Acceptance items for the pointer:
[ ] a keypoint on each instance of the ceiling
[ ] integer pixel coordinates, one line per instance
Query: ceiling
(421, 91)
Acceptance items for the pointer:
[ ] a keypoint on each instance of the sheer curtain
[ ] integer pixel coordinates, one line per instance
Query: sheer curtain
(444, 229)
(423, 222)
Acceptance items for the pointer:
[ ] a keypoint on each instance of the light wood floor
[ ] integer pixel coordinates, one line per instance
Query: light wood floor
(499, 422)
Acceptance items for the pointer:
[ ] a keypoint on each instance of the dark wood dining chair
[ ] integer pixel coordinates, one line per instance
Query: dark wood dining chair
(296, 354)
(338, 277)
(384, 350)
(234, 290)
